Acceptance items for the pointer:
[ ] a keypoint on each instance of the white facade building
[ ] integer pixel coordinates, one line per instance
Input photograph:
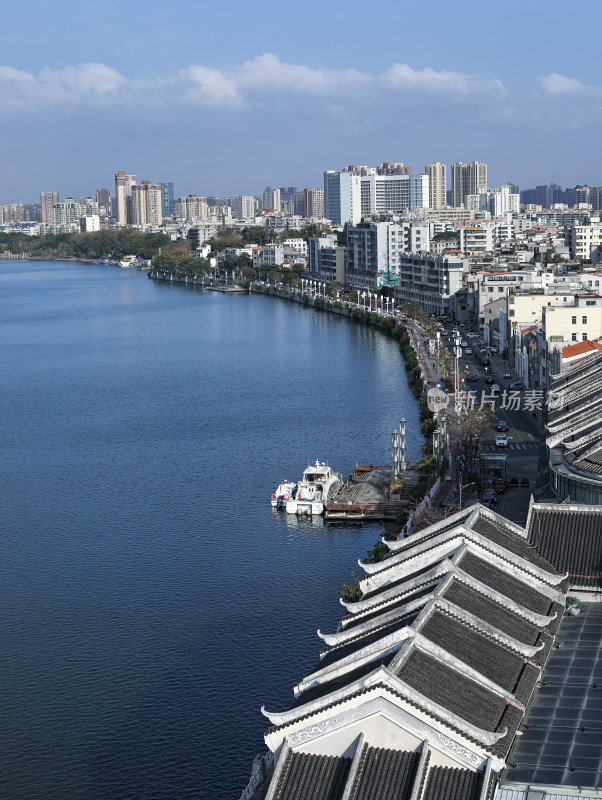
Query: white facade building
(243, 207)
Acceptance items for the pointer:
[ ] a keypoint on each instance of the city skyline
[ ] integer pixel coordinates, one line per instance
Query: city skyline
(219, 111)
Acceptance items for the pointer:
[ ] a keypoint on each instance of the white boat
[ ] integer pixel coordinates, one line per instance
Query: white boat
(314, 490)
(286, 491)
(128, 261)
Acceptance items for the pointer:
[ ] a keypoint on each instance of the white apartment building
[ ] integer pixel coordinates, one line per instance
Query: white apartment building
(476, 239)
(498, 202)
(356, 192)
(192, 207)
(243, 207)
(373, 252)
(562, 325)
(70, 211)
(585, 242)
(89, 223)
(437, 184)
(298, 245)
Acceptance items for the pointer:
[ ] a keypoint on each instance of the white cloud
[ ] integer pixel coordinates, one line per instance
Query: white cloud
(402, 76)
(267, 72)
(211, 86)
(92, 78)
(559, 84)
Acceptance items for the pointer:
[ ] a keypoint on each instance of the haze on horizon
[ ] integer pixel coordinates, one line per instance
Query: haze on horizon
(227, 99)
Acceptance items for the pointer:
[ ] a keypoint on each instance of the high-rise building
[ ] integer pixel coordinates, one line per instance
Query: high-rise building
(123, 196)
(47, 202)
(103, 198)
(342, 197)
(270, 199)
(243, 207)
(192, 207)
(437, 184)
(146, 204)
(168, 203)
(467, 179)
(313, 202)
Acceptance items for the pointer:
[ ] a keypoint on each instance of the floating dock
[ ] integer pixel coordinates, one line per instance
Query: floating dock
(367, 496)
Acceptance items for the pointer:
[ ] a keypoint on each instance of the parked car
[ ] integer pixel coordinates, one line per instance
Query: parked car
(501, 440)
(517, 386)
(507, 375)
(503, 425)
(499, 485)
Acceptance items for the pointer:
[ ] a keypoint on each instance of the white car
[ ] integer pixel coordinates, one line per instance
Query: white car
(501, 440)
(468, 351)
(464, 343)
(472, 335)
(495, 387)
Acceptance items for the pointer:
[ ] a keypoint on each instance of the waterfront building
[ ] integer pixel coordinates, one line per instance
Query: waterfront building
(466, 179)
(429, 280)
(146, 204)
(420, 691)
(373, 252)
(326, 259)
(123, 195)
(437, 174)
(47, 202)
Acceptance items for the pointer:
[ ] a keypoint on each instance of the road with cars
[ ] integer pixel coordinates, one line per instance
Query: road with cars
(522, 429)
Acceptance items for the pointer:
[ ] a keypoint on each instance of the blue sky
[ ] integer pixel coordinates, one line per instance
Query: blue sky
(224, 98)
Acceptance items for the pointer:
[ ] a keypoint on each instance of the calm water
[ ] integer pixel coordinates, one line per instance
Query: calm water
(151, 601)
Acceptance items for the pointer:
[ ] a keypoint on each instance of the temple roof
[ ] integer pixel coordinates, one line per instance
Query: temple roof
(570, 538)
(457, 623)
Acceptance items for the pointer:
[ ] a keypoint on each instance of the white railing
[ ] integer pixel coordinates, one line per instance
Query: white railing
(258, 777)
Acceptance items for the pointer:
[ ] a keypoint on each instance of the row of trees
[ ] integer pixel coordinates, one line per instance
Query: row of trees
(98, 244)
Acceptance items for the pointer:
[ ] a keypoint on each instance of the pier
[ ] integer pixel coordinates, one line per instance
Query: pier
(372, 493)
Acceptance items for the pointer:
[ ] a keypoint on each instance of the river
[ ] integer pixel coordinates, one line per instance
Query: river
(151, 600)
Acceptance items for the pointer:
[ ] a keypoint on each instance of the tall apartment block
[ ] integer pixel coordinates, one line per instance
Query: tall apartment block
(467, 179)
(168, 203)
(146, 203)
(123, 196)
(47, 202)
(243, 207)
(270, 199)
(313, 203)
(437, 184)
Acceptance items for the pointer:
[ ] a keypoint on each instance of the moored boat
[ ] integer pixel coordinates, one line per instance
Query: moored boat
(314, 490)
(286, 491)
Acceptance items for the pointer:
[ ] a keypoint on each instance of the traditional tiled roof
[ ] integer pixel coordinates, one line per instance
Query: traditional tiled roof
(384, 774)
(570, 538)
(504, 583)
(454, 631)
(312, 777)
(446, 783)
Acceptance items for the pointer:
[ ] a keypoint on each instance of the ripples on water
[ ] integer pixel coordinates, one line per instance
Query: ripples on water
(151, 600)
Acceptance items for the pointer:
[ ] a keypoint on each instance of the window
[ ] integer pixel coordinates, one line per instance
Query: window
(574, 320)
(590, 302)
(573, 337)
(584, 320)
(584, 337)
